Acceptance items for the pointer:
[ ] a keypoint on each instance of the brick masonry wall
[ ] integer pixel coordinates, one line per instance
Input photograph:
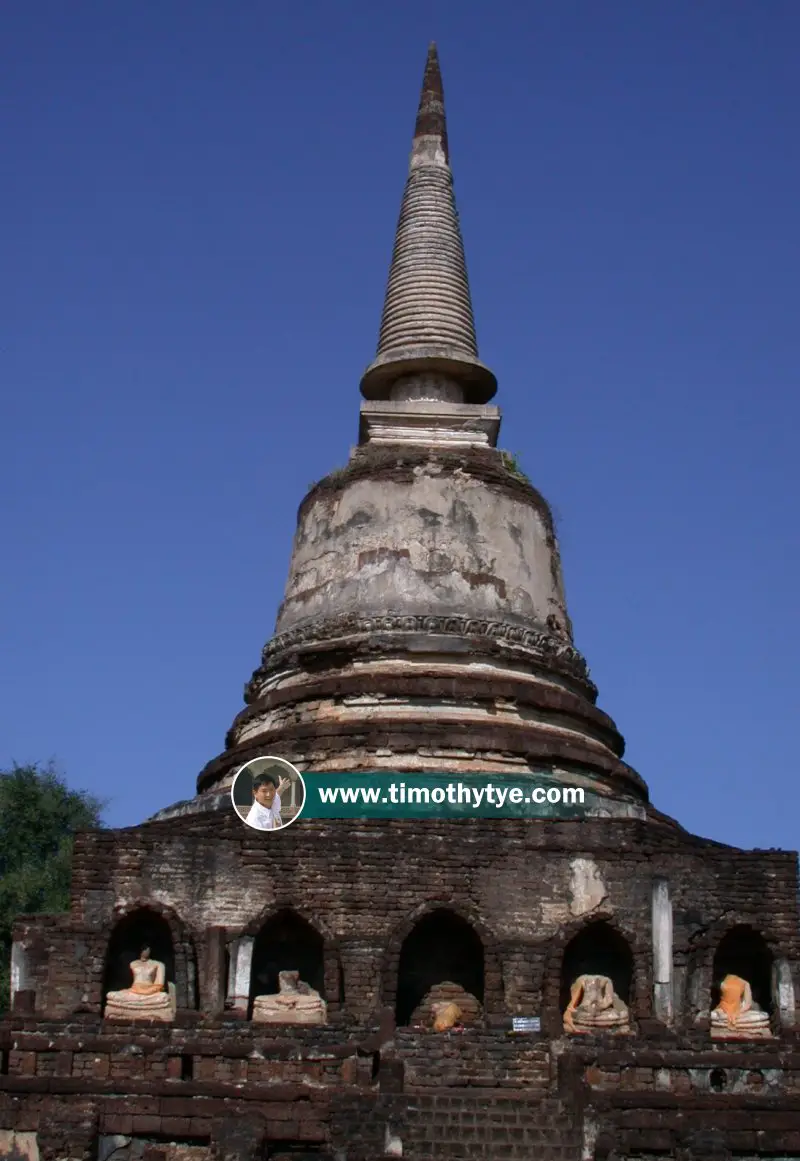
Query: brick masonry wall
(476, 1058)
(482, 1124)
(70, 1077)
(487, 1094)
(513, 881)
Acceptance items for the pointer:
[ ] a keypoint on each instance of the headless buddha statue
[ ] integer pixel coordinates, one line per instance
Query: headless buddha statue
(446, 1015)
(594, 1006)
(148, 998)
(294, 1003)
(737, 1014)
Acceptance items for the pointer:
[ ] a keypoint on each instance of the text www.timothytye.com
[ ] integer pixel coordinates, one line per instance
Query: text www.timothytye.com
(454, 793)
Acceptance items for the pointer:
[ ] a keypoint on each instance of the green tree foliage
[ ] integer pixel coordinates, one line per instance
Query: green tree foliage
(39, 816)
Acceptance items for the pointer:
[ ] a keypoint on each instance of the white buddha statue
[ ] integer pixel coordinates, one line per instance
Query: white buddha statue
(148, 998)
(594, 1006)
(294, 1003)
(738, 1015)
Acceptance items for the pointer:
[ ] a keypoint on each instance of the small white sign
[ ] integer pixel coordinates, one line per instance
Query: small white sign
(526, 1024)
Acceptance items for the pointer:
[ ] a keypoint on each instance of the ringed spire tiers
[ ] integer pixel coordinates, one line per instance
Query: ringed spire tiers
(427, 348)
(424, 624)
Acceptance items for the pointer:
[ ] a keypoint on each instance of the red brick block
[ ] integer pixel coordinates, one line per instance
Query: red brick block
(27, 1120)
(154, 1153)
(147, 1124)
(22, 1063)
(177, 1107)
(205, 1068)
(281, 1112)
(280, 1130)
(310, 1130)
(117, 1123)
(178, 1125)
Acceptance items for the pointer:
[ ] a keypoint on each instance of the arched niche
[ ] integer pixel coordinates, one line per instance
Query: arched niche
(133, 932)
(441, 948)
(287, 942)
(744, 952)
(597, 950)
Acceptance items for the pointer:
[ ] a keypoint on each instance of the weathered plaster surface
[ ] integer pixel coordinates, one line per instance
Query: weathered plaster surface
(439, 543)
(587, 889)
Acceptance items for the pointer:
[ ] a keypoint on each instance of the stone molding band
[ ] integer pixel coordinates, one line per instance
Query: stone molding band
(310, 742)
(561, 706)
(549, 650)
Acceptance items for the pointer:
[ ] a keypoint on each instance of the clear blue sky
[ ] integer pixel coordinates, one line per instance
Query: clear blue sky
(198, 206)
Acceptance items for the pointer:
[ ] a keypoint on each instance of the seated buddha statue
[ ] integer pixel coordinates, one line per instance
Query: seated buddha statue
(148, 998)
(295, 1002)
(445, 1015)
(737, 1014)
(594, 1006)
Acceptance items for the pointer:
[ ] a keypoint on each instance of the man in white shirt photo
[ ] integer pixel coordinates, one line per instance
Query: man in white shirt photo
(265, 813)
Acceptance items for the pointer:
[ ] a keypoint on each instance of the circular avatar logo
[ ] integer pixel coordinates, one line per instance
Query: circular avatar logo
(268, 793)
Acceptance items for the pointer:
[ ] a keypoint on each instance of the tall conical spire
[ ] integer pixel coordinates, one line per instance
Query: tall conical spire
(431, 121)
(427, 346)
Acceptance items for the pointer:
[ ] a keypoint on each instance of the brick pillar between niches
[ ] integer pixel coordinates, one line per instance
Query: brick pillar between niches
(212, 974)
(241, 953)
(361, 968)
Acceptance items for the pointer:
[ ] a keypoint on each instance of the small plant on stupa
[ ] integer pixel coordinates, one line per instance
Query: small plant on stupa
(511, 464)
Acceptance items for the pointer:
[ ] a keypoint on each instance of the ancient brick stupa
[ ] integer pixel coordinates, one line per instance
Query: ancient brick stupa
(470, 988)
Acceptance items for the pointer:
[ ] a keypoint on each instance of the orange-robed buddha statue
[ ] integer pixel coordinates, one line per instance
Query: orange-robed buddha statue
(737, 1014)
(148, 998)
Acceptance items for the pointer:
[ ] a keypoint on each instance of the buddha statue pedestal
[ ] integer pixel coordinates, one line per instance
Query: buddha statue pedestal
(148, 998)
(738, 1016)
(595, 1007)
(294, 1003)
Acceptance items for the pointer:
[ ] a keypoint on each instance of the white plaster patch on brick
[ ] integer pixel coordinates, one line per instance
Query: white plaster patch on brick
(244, 962)
(20, 970)
(662, 950)
(784, 986)
(590, 1132)
(393, 1145)
(586, 887)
